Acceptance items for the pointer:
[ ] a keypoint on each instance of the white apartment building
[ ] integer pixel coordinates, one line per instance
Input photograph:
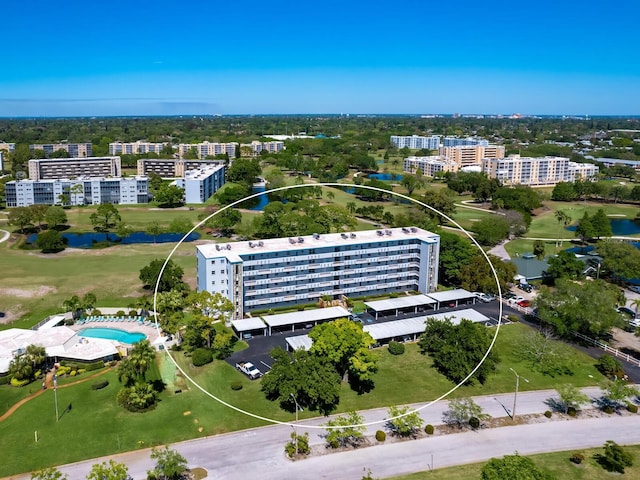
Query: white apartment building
(207, 149)
(200, 184)
(535, 172)
(172, 167)
(75, 150)
(582, 171)
(7, 147)
(416, 142)
(283, 272)
(79, 191)
(1, 160)
(257, 146)
(135, 148)
(463, 142)
(429, 165)
(58, 168)
(470, 155)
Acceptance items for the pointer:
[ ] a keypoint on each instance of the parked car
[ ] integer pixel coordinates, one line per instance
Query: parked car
(626, 311)
(634, 288)
(525, 287)
(516, 299)
(524, 303)
(508, 295)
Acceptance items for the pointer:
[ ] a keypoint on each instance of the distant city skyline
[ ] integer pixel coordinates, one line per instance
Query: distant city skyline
(204, 57)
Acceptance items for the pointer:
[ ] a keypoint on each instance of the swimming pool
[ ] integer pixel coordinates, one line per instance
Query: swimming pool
(113, 334)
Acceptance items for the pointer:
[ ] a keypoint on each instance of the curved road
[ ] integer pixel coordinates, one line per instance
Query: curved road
(5, 236)
(259, 452)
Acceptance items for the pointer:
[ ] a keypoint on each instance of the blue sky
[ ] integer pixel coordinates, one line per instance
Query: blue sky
(137, 57)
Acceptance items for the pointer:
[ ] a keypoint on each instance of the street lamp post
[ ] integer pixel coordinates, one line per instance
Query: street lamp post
(515, 396)
(294, 430)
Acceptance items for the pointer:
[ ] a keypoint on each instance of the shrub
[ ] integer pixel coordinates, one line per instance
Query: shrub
(608, 409)
(301, 442)
(99, 385)
(429, 429)
(548, 414)
(18, 383)
(572, 412)
(5, 379)
(396, 348)
(95, 311)
(474, 422)
(236, 386)
(512, 318)
(120, 313)
(201, 356)
(632, 408)
(615, 458)
(577, 458)
(133, 313)
(73, 373)
(81, 371)
(381, 436)
(393, 295)
(609, 366)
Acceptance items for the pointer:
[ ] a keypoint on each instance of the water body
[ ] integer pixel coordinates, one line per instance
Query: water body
(385, 176)
(116, 334)
(87, 240)
(618, 227)
(263, 200)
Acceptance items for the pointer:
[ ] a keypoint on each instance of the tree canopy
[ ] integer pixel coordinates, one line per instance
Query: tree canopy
(514, 467)
(171, 276)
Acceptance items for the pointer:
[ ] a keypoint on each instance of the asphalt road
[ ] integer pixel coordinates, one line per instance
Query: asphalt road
(258, 453)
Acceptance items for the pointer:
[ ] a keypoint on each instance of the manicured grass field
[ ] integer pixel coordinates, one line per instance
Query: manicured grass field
(97, 426)
(557, 464)
(35, 284)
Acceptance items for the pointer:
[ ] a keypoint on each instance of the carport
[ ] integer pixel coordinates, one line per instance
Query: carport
(410, 304)
(304, 319)
(300, 342)
(248, 327)
(457, 297)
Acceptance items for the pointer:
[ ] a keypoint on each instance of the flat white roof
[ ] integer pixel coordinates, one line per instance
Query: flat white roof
(300, 342)
(234, 249)
(400, 302)
(306, 316)
(52, 322)
(451, 295)
(86, 349)
(246, 324)
(415, 325)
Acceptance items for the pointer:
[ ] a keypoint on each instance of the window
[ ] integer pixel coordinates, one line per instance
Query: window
(222, 272)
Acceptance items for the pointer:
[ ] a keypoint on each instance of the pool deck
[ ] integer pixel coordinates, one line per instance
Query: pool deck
(149, 330)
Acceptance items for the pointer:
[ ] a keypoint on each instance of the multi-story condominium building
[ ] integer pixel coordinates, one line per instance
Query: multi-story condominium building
(1, 160)
(429, 165)
(79, 191)
(289, 271)
(54, 168)
(462, 142)
(200, 184)
(171, 167)
(516, 170)
(75, 150)
(7, 147)
(610, 162)
(582, 171)
(135, 148)
(468, 155)
(207, 149)
(257, 146)
(416, 142)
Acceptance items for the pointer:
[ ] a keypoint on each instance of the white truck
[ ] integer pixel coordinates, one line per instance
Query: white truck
(249, 370)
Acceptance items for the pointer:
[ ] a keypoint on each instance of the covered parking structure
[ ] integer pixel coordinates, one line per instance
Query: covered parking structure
(410, 304)
(409, 329)
(453, 298)
(304, 319)
(248, 327)
(299, 342)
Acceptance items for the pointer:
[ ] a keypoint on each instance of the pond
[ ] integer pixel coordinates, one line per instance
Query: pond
(87, 240)
(619, 226)
(262, 200)
(385, 176)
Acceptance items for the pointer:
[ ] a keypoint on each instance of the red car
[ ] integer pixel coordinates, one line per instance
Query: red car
(524, 303)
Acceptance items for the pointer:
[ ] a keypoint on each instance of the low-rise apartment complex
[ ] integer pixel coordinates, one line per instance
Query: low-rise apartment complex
(78, 191)
(416, 142)
(283, 272)
(429, 165)
(57, 168)
(135, 148)
(172, 167)
(75, 150)
(208, 149)
(471, 155)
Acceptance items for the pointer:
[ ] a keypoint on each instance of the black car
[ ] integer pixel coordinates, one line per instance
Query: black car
(509, 295)
(525, 287)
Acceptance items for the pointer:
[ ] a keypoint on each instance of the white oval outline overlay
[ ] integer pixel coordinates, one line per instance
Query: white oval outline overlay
(325, 427)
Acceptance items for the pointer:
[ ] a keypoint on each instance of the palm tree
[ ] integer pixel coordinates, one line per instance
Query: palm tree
(36, 355)
(141, 357)
(563, 218)
(20, 368)
(351, 206)
(636, 304)
(72, 305)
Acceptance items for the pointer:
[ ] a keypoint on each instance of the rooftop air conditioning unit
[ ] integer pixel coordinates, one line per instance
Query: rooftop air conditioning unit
(414, 229)
(218, 247)
(316, 236)
(292, 241)
(300, 240)
(251, 244)
(388, 232)
(228, 247)
(353, 235)
(380, 233)
(261, 243)
(344, 235)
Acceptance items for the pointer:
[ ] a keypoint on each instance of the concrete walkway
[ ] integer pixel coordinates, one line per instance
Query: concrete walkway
(5, 236)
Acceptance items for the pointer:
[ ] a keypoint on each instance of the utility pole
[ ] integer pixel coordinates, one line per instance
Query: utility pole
(294, 430)
(515, 397)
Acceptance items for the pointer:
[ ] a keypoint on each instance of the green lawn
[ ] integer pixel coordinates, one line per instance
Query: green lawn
(97, 426)
(556, 464)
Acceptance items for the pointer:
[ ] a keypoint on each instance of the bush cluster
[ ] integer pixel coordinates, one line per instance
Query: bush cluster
(18, 383)
(236, 386)
(474, 422)
(5, 379)
(608, 409)
(632, 408)
(577, 458)
(381, 436)
(99, 385)
(548, 414)
(429, 429)
(396, 348)
(201, 356)
(572, 412)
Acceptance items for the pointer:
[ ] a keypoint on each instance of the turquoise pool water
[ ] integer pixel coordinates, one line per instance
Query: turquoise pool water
(112, 334)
